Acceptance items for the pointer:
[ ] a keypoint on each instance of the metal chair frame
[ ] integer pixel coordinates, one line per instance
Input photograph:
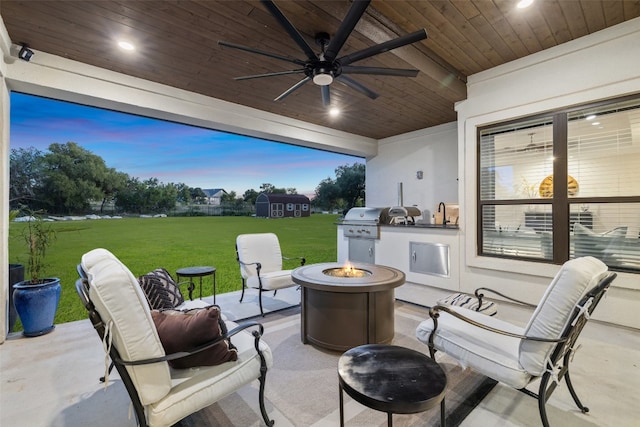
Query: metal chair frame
(82, 287)
(258, 268)
(564, 349)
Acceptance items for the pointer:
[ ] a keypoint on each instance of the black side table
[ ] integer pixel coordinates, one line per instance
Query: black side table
(391, 379)
(200, 272)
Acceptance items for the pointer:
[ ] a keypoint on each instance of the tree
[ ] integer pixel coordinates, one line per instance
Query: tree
(72, 177)
(114, 182)
(228, 197)
(351, 182)
(184, 193)
(345, 192)
(250, 196)
(198, 196)
(25, 174)
(327, 195)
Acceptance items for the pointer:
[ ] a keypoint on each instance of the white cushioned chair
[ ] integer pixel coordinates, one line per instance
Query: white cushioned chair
(261, 265)
(161, 395)
(517, 356)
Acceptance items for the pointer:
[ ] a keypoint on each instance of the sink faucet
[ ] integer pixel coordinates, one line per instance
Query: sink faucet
(444, 213)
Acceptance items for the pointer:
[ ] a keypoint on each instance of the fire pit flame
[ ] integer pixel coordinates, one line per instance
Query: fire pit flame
(348, 270)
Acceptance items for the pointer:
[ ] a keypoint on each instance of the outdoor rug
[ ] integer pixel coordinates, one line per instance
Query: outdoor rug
(302, 386)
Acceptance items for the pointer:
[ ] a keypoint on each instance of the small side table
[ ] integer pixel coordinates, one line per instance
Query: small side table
(391, 379)
(199, 272)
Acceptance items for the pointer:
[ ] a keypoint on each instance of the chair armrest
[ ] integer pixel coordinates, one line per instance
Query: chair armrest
(434, 313)
(257, 335)
(302, 259)
(257, 264)
(480, 295)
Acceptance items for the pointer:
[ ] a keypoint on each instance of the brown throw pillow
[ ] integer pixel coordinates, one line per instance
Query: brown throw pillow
(184, 331)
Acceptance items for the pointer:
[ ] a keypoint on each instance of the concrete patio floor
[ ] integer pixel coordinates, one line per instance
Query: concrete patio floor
(53, 380)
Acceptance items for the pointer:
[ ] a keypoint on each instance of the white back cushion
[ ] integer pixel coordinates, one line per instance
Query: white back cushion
(260, 247)
(552, 314)
(117, 296)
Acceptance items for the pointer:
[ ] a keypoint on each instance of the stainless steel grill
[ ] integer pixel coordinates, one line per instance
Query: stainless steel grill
(362, 223)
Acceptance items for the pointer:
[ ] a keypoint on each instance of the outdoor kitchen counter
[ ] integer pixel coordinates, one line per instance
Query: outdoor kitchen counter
(436, 226)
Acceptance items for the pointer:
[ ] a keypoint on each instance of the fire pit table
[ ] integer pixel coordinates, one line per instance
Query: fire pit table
(347, 306)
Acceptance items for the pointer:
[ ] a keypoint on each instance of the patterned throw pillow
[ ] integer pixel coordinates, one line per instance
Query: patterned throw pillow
(186, 330)
(471, 302)
(161, 290)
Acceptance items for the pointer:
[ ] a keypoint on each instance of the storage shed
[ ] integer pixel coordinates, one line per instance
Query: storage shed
(269, 205)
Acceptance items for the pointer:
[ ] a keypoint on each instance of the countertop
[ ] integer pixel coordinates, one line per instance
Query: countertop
(420, 225)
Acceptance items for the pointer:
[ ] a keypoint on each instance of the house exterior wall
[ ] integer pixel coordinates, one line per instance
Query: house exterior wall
(4, 188)
(600, 66)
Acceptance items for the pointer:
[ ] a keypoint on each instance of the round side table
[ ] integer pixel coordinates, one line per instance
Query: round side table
(199, 272)
(391, 379)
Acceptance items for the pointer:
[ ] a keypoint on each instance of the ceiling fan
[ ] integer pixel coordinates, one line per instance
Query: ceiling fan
(530, 147)
(325, 67)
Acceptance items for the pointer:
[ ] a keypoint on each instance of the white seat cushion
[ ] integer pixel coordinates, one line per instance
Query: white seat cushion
(272, 281)
(117, 296)
(195, 388)
(554, 310)
(260, 247)
(493, 354)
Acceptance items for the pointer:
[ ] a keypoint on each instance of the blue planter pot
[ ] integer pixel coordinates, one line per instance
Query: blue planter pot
(36, 304)
(16, 275)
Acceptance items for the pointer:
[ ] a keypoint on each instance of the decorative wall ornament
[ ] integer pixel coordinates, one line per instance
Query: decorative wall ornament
(546, 187)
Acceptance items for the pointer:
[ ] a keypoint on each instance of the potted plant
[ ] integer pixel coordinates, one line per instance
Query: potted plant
(36, 299)
(16, 274)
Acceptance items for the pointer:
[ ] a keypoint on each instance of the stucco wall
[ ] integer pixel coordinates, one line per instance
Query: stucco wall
(602, 65)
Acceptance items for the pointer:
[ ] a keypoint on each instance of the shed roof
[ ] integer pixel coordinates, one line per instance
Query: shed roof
(285, 198)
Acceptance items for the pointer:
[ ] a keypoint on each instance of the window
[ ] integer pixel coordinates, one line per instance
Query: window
(289, 207)
(563, 185)
(305, 207)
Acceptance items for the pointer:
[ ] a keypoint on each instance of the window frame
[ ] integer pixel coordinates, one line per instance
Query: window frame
(560, 202)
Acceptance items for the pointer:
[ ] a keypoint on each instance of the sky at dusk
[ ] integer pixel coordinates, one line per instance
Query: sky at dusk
(172, 152)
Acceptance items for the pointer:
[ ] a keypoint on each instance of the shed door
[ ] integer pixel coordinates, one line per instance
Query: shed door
(277, 210)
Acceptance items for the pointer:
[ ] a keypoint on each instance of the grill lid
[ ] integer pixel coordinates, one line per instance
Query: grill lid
(363, 216)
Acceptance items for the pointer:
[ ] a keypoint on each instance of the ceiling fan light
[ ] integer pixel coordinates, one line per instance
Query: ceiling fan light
(322, 79)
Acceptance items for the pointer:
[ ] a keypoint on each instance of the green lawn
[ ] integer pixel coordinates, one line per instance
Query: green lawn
(144, 244)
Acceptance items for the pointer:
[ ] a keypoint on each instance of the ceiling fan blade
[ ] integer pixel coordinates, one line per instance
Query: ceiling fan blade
(289, 28)
(277, 73)
(348, 24)
(383, 47)
(293, 88)
(261, 52)
(357, 86)
(379, 71)
(326, 95)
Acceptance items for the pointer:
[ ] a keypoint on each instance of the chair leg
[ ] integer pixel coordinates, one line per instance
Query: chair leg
(103, 379)
(542, 400)
(243, 286)
(262, 379)
(583, 408)
(260, 302)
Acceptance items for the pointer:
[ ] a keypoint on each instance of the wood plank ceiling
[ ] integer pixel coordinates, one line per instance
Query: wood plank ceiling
(176, 44)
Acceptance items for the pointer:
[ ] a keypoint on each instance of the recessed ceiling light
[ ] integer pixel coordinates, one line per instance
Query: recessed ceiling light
(595, 123)
(125, 45)
(524, 3)
(591, 117)
(334, 112)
